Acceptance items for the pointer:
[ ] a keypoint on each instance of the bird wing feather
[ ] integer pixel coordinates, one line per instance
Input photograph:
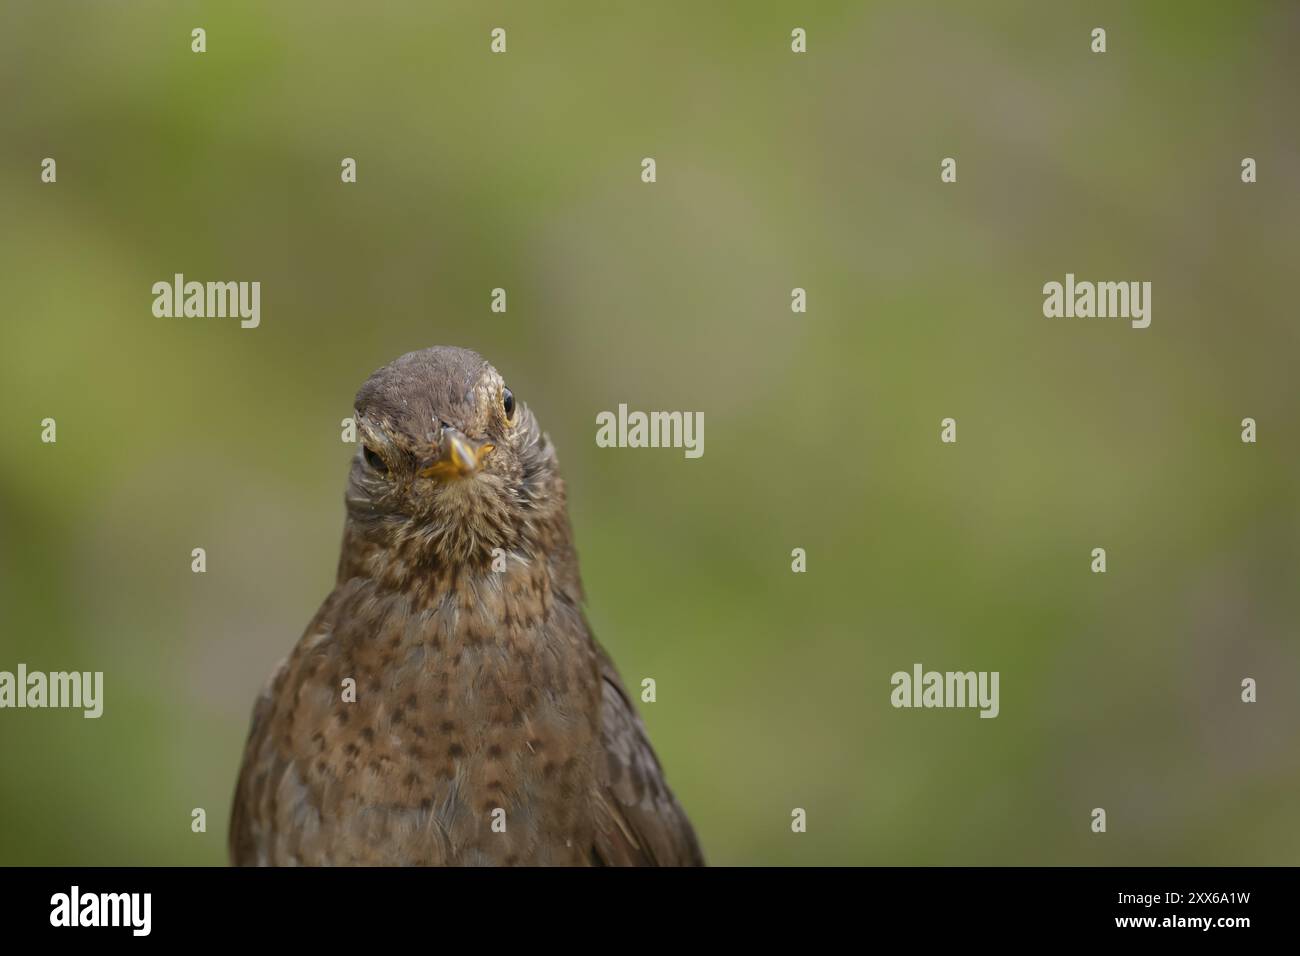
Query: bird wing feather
(638, 820)
(246, 849)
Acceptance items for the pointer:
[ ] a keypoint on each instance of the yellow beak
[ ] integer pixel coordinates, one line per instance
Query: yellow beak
(459, 457)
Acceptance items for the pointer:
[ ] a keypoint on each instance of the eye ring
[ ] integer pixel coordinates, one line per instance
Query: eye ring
(373, 459)
(508, 404)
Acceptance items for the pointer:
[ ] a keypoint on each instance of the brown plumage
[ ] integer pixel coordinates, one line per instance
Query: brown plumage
(458, 613)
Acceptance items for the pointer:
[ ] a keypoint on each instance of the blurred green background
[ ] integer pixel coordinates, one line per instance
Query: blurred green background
(822, 430)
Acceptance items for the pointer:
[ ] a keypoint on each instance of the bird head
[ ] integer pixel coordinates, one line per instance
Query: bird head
(450, 465)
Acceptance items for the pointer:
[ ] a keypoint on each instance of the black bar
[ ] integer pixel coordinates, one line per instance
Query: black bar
(332, 906)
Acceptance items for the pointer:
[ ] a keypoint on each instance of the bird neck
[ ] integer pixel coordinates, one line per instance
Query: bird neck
(405, 559)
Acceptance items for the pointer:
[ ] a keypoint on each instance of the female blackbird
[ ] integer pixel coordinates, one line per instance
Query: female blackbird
(448, 704)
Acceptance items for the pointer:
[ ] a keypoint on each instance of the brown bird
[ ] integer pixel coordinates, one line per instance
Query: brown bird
(448, 704)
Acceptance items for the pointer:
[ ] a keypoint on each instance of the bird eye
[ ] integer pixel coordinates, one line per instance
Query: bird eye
(373, 460)
(508, 403)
